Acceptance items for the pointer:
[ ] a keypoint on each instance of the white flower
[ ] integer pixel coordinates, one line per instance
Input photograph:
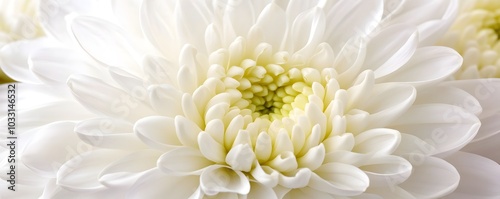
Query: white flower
(474, 35)
(244, 99)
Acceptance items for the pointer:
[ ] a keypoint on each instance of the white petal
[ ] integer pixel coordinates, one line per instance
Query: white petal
(313, 158)
(109, 100)
(296, 179)
(339, 179)
(305, 193)
(90, 164)
(158, 70)
(449, 95)
(445, 127)
(387, 171)
(263, 147)
(190, 110)
(241, 157)
(487, 147)
(55, 65)
(265, 175)
(433, 18)
(486, 91)
(157, 185)
(385, 110)
(192, 19)
(128, 14)
(479, 176)
(391, 48)
(307, 31)
(347, 19)
(105, 42)
(344, 142)
(157, 132)
(241, 14)
(187, 131)
(40, 114)
(432, 178)
(108, 133)
(14, 59)
(272, 23)
(166, 100)
(53, 190)
(158, 25)
(377, 141)
(59, 143)
(210, 148)
(216, 179)
(183, 161)
(53, 15)
(258, 190)
(441, 61)
(125, 171)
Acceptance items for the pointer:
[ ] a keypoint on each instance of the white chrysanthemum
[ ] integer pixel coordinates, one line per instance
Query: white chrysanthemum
(17, 21)
(475, 35)
(244, 99)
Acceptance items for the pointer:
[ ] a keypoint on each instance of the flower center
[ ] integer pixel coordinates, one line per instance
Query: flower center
(475, 35)
(263, 83)
(271, 90)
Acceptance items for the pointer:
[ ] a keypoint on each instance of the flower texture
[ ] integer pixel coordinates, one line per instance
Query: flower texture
(475, 35)
(17, 21)
(246, 99)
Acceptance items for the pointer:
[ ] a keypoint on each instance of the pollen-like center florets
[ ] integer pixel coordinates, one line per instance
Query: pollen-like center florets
(266, 84)
(476, 35)
(271, 90)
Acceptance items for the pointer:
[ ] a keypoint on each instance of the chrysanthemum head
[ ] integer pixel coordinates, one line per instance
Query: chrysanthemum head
(476, 35)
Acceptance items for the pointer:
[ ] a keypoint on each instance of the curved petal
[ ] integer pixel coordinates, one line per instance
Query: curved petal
(57, 191)
(106, 42)
(165, 100)
(55, 65)
(155, 184)
(383, 110)
(14, 59)
(158, 25)
(479, 176)
(432, 178)
(157, 132)
(108, 133)
(305, 193)
(60, 144)
(433, 18)
(488, 147)
(217, 178)
(261, 191)
(387, 171)
(183, 161)
(351, 18)
(391, 48)
(339, 179)
(445, 127)
(272, 23)
(125, 171)
(442, 61)
(192, 18)
(110, 101)
(377, 141)
(89, 163)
